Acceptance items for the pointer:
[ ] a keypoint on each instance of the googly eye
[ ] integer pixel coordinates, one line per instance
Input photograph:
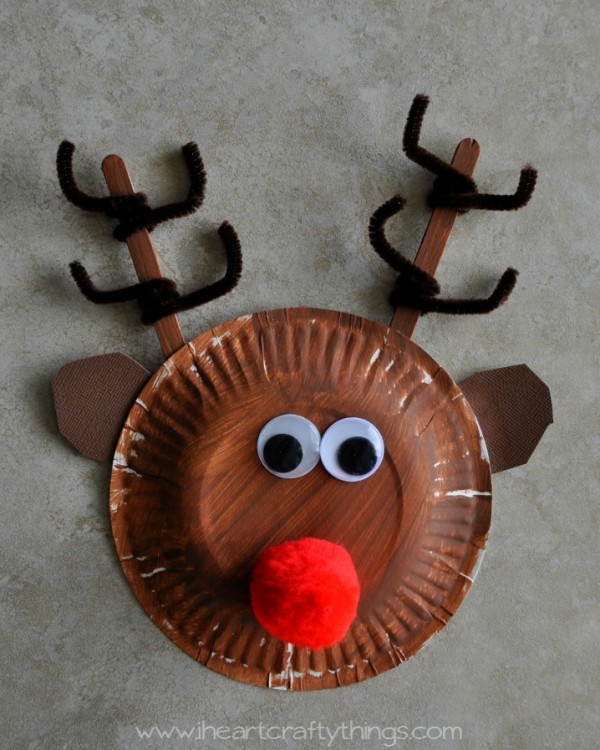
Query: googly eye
(288, 446)
(352, 449)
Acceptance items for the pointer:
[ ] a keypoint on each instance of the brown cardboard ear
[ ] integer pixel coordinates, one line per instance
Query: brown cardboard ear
(92, 398)
(513, 408)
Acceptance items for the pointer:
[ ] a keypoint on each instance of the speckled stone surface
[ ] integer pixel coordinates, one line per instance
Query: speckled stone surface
(298, 110)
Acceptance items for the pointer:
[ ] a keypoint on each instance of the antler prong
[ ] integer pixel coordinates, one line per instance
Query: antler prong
(229, 281)
(425, 282)
(406, 295)
(424, 158)
(196, 192)
(64, 168)
(487, 201)
(151, 294)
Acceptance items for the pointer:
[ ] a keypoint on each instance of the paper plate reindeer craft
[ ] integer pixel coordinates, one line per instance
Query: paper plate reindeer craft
(300, 497)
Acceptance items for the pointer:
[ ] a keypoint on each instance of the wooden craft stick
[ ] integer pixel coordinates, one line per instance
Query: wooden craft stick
(437, 235)
(142, 253)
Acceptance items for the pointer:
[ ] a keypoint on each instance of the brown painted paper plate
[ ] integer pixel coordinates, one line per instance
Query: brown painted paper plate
(192, 506)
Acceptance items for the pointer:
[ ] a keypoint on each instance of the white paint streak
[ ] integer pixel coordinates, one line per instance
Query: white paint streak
(216, 341)
(274, 687)
(153, 573)
(389, 366)
(477, 566)
(482, 446)
(468, 493)
(427, 379)
(139, 402)
(165, 372)
(289, 672)
(484, 451)
(427, 641)
(375, 357)
(137, 436)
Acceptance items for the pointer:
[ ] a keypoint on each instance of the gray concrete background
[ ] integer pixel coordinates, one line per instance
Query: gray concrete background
(298, 110)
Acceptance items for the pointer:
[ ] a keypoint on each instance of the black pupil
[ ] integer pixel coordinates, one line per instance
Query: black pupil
(357, 456)
(282, 453)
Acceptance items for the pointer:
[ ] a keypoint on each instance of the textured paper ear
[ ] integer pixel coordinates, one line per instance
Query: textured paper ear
(513, 407)
(92, 398)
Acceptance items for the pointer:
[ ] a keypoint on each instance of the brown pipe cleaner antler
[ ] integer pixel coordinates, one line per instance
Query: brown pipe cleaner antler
(158, 297)
(416, 288)
(452, 189)
(133, 211)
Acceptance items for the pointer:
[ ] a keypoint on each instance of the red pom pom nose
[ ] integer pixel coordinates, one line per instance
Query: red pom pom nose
(305, 592)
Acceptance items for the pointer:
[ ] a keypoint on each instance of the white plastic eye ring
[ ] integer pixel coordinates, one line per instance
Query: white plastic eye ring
(288, 446)
(352, 449)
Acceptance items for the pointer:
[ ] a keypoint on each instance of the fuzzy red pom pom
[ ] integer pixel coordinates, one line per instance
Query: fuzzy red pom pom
(305, 592)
